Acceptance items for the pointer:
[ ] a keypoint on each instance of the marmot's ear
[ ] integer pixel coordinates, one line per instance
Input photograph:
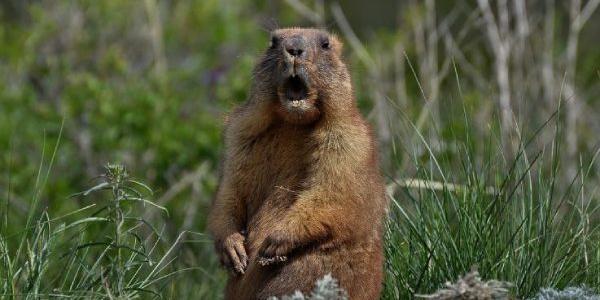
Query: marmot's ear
(337, 44)
(226, 117)
(339, 48)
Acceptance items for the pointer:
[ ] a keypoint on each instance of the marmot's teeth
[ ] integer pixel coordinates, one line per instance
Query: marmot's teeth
(297, 103)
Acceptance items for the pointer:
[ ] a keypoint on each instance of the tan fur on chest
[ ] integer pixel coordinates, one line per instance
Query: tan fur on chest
(273, 163)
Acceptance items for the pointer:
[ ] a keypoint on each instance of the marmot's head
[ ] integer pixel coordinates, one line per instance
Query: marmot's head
(303, 74)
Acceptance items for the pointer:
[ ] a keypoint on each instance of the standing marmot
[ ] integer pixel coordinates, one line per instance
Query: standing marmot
(301, 190)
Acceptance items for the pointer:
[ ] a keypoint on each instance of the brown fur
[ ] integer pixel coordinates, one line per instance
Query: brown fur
(300, 183)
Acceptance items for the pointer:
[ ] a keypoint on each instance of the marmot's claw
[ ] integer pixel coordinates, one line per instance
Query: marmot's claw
(266, 261)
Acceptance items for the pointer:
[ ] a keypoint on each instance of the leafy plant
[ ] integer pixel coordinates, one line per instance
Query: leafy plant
(122, 257)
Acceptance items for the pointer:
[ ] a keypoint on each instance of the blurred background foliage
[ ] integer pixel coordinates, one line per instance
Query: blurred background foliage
(148, 83)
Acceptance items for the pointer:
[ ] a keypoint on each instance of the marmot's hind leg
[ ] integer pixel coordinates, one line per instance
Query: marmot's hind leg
(299, 274)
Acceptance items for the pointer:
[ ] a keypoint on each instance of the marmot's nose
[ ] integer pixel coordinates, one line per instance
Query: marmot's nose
(295, 46)
(294, 51)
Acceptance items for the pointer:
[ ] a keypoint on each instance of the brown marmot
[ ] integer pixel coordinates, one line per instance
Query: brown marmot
(300, 195)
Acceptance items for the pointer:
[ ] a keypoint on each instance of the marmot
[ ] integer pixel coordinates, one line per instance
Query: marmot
(300, 194)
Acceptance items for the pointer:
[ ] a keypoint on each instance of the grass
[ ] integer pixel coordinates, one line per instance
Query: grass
(515, 220)
(108, 251)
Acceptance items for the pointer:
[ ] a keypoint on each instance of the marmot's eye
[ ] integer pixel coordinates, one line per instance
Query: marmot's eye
(274, 42)
(325, 44)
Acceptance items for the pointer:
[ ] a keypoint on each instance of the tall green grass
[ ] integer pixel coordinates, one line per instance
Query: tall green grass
(515, 219)
(106, 249)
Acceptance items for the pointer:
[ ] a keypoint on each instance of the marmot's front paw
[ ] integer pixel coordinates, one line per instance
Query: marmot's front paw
(275, 247)
(233, 252)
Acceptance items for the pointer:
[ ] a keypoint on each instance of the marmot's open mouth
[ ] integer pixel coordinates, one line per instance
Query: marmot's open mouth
(295, 90)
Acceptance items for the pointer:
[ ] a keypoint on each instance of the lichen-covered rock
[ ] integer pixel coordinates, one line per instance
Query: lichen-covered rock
(471, 286)
(571, 293)
(326, 288)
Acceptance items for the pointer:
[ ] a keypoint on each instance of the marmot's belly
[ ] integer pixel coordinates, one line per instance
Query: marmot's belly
(347, 264)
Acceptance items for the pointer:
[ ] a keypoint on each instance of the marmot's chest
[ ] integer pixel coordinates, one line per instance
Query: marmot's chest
(274, 164)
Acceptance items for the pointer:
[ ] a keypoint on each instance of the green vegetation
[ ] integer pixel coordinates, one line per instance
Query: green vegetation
(108, 251)
(508, 219)
(482, 171)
